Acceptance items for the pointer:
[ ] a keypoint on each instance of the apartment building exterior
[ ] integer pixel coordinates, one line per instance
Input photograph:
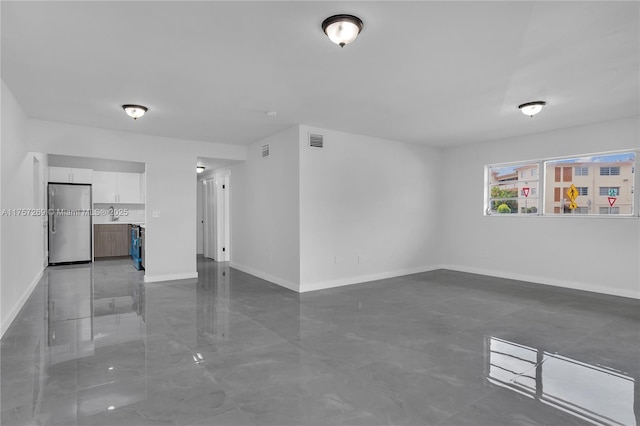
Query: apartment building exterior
(528, 190)
(516, 187)
(603, 187)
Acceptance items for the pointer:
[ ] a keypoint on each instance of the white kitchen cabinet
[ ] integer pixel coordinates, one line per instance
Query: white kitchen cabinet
(117, 187)
(105, 187)
(129, 185)
(70, 175)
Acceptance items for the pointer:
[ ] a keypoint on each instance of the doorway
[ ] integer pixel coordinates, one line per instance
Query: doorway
(216, 218)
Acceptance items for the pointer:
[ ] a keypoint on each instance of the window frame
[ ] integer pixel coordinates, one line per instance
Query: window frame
(544, 168)
(518, 191)
(582, 169)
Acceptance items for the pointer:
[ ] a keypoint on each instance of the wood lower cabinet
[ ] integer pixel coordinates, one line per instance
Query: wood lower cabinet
(111, 240)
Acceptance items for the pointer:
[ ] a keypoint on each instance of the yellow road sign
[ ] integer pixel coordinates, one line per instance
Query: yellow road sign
(573, 206)
(573, 193)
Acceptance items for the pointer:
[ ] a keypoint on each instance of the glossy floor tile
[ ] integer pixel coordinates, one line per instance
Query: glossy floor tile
(94, 345)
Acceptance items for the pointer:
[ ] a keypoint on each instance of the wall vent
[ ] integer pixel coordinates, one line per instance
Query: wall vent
(316, 141)
(265, 151)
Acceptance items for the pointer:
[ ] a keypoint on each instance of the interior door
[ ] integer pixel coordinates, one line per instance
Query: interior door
(209, 218)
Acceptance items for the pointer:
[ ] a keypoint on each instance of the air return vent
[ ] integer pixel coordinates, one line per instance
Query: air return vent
(265, 151)
(316, 141)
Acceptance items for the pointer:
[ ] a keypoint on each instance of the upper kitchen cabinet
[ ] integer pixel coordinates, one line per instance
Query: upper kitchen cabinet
(130, 188)
(70, 175)
(118, 187)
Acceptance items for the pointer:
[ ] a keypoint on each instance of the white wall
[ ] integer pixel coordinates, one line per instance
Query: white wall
(170, 174)
(594, 254)
(22, 247)
(369, 208)
(265, 227)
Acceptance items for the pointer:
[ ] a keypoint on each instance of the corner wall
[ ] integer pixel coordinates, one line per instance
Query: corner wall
(265, 211)
(22, 245)
(593, 254)
(369, 209)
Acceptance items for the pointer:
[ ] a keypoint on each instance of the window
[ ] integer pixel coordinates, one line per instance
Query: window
(591, 185)
(610, 171)
(609, 191)
(581, 171)
(609, 210)
(511, 190)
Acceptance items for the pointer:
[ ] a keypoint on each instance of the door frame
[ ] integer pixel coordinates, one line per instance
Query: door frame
(217, 241)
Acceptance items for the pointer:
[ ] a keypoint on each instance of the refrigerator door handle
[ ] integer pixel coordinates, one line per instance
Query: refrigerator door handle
(53, 223)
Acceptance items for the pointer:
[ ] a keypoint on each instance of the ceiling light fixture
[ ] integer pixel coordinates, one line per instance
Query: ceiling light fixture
(135, 111)
(532, 108)
(200, 169)
(342, 29)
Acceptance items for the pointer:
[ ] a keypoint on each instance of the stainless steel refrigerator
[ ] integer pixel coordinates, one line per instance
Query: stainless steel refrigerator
(69, 223)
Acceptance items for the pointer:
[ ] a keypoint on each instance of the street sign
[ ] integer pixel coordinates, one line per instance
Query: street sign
(612, 201)
(573, 205)
(573, 193)
(613, 192)
(525, 191)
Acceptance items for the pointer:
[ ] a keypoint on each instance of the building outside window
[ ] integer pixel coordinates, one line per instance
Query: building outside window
(599, 180)
(581, 171)
(512, 191)
(609, 210)
(610, 171)
(609, 191)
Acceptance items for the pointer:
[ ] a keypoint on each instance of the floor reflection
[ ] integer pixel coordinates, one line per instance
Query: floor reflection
(70, 313)
(98, 321)
(594, 393)
(213, 313)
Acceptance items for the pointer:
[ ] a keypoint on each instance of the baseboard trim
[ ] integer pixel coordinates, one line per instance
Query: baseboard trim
(171, 277)
(271, 278)
(573, 285)
(23, 299)
(365, 278)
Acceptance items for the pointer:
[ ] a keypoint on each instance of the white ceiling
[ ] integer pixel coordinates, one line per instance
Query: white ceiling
(439, 73)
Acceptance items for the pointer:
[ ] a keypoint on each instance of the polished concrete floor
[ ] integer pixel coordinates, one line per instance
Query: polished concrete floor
(94, 345)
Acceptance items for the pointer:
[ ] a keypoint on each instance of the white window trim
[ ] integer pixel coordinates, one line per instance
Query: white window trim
(542, 177)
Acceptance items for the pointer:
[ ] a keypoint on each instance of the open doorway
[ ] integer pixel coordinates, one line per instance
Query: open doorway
(213, 218)
(216, 241)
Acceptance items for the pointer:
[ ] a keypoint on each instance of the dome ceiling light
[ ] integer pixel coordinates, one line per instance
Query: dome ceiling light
(135, 111)
(200, 169)
(342, 29)
(532, 108)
